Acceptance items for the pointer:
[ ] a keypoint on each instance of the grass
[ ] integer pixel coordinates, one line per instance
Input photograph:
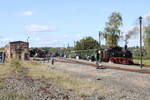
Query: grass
(2, 84)
(18, 66)
(82, 87)
(15, 63)
(145, 61)
(5, 69)
(8, 67)
(12, 96)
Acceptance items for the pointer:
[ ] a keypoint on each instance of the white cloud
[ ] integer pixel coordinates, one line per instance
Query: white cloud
(6, 39)
(25, 13)
(146, 19)
(65, 35)
(40, 28)
(37, 39)
(79, 35)
(147, 16)
(55, 41)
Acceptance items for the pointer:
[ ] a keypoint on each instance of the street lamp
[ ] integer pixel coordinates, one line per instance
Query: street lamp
(140, 19)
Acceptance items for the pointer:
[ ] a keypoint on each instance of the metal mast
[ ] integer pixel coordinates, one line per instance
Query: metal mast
(140, 18)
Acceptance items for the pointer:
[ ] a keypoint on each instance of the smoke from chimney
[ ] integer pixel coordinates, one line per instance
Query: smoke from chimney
(146, 19)
(132, 31)
(135, 29)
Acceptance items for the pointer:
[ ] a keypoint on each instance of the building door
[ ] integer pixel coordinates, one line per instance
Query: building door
(19, 54)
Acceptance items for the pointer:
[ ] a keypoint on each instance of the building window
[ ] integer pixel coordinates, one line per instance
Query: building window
(11, 55)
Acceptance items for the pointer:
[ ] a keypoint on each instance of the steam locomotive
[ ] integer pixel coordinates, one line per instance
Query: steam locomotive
(116, 55)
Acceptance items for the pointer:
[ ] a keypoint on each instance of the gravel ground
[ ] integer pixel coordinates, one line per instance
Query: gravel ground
(23, 87)
(120, 84)
(128, 85)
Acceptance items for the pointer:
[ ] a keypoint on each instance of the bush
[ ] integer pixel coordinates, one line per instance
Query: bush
(15, 63)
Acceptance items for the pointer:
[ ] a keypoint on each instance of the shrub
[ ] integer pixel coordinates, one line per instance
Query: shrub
(15, 63)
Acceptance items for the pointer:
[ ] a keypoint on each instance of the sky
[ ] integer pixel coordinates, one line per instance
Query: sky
(57, 23)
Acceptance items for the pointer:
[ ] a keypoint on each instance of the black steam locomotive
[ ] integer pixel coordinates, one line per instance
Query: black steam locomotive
(116, 55)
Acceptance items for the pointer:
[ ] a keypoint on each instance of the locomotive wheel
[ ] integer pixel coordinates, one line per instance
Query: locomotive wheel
(131, 63)
(114, 61)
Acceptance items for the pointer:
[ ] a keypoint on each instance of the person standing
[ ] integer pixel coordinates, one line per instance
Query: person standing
(53, 60)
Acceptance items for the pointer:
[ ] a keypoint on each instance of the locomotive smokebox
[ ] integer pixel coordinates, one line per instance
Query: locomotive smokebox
(125, 47)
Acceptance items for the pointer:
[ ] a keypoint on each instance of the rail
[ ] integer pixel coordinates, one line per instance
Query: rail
(104, 66)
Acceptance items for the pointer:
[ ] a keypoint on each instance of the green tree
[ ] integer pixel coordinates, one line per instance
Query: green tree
(2, 49)
(112, 32)
(86, 43)
(147, 39)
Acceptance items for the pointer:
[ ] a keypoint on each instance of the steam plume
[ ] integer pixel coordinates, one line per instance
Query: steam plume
(134, 30)
(130, 32)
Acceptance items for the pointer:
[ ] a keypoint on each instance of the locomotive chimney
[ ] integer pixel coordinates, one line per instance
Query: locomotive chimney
(125, 47)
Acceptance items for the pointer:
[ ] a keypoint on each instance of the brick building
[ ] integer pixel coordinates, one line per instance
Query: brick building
(17, 49)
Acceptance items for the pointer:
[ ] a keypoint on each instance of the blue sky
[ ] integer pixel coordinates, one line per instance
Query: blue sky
(59, 22)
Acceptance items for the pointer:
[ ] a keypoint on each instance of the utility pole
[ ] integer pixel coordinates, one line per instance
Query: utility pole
(68, 48)
(99, 38)
(74, 44)
(140, 18)
(28, 39)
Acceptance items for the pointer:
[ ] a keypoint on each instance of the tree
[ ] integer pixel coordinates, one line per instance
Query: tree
(86, 43)
(112, 32)
(2, 49)
(147, 39)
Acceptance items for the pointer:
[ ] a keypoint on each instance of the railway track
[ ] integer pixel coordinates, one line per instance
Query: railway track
(144, 71)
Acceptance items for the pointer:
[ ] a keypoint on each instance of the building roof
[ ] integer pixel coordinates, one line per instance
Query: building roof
(17, 42)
